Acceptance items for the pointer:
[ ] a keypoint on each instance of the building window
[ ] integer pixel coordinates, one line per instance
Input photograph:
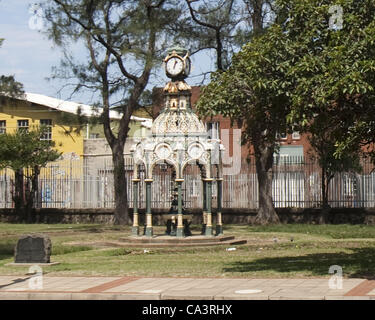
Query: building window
(296, 135)
(289, 155)
(282, 136)
(213, 129)
(23, 125)
(3, 127)
(47, 125)
(94, 135)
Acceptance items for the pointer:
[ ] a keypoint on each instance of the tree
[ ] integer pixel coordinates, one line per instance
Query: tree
(10, 87)
(125, 41)
(212, 26)
(222, 26)
(333, 74)
(309, 66)
(323, 141)
(25, 153)
(254, 91)
(333, 69)
(333, 78)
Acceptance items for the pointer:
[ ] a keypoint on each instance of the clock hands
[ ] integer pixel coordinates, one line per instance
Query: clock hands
(177, 66)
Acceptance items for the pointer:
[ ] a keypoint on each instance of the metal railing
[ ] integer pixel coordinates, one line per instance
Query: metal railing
(296, 183)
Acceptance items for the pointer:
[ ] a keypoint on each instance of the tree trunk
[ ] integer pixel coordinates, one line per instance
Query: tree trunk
(31, 192)
(35, 186)
(18, 195)
(263, 162)
(326, 179)
(121, 214)
(257, 16)
(324, 199)
(28, 199)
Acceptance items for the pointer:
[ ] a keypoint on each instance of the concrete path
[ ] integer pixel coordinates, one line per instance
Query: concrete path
(147, 288)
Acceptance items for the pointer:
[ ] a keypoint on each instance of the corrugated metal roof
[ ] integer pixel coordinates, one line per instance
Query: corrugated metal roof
(72, 107)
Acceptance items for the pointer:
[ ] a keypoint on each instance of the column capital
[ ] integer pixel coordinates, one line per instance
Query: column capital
(149, 180)
(179, 180)
(208, 179)
(136, 180)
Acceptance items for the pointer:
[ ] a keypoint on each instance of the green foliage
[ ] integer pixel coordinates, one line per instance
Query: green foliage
(333, 69)
(305, 74)
(323, 142)
(333, 79)
(323, 136)
(25, 153)
(254, 90)
(24, 149)
(10, 87)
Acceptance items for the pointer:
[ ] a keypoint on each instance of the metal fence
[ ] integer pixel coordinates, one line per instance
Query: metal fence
(296, 183)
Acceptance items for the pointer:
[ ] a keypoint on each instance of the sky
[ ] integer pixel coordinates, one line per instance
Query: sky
(30, 56)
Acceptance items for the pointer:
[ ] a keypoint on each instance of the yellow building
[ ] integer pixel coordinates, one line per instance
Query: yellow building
(59, 117)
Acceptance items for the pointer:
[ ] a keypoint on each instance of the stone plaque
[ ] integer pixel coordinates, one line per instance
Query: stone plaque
(33, 248)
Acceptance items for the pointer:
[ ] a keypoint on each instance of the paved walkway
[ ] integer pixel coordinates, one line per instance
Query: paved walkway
(147, 288)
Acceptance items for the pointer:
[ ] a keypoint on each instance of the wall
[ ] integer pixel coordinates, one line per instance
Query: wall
(100, 147)
(230, 216)
(97, 152)
(98, 155)
(67, 141)
(135, 129)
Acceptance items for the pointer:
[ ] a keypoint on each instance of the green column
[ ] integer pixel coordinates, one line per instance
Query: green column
(135, 228)
(219, 223)
(204, 213)
(180, 226)
(149, 229)
(208, 203)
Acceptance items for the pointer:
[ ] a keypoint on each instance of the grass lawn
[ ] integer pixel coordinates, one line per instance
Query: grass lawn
(278, 251)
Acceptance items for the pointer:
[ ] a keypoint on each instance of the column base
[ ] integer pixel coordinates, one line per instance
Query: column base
(203, 229)
(208, 231)
(180, 233)
(135, 231)
(219, 230)
(149, 232)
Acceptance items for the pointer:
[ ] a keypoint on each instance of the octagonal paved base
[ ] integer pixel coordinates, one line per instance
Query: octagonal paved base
(159, 241)
(191, 241)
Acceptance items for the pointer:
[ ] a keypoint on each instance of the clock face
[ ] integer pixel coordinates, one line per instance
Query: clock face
(174, 66)
(163, 152)
(195, 151)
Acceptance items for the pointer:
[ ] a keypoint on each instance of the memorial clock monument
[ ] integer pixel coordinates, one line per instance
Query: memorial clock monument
(178, 138)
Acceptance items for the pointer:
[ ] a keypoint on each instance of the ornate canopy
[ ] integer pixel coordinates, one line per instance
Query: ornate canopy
(178, 136)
